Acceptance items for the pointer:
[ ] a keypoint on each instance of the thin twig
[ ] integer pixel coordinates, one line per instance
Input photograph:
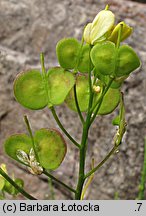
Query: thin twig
(62, 128)
(57, 180)
(77, 105)
(20, 189)
(102, 162)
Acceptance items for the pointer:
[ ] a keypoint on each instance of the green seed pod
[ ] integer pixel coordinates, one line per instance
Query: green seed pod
(117, 82)
(60, 83)
(17, 142)
(84, 62)
(29, 90)
(67, 51)
(103, 57)
(82, 90)
(51, 148)
(110, 101)
(128, 61)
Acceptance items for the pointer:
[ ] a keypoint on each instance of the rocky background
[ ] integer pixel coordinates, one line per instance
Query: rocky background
(30, 27)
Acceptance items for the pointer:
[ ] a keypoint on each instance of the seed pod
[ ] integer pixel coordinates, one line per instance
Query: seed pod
(60, 83)
(17, 142)
(128, 61)
(51, 148)
(103, 57)
(67, 51)
(82, 91)
(84, 63)
(29, 90)
(110, 101)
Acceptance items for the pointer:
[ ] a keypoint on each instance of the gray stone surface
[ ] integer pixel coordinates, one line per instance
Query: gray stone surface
(29, 27)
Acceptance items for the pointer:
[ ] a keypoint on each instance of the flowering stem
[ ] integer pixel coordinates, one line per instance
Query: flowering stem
(31, 136)
(102, 162)
(101, 99)
(84, 143)
(62, 128)
(77, 105)
(57, 180)
(20, 189)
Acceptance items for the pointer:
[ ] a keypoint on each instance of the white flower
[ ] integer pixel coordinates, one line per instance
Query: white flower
(96, 31)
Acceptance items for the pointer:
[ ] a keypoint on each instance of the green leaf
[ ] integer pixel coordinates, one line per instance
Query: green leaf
(17, 142)
(51, 148)
(82, 90)
(29, 90)
(110, 101)
(67, 51)
(103, 57)
(84, 62)
(128, 61)
(60, 83)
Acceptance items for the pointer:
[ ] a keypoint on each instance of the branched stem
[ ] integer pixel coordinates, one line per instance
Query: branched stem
(57, 180)
(31, 136)
(84, 141)
(77, 105)
(100, 100)
(21, 190)
(102, 162)
(62, 128)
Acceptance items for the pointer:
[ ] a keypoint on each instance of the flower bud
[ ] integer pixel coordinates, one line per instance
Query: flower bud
(126, 32)
(96, 89)
(98, 29)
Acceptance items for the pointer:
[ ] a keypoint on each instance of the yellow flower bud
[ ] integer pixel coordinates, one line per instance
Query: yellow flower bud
(101, 25)
(96, 89)
(126, 32)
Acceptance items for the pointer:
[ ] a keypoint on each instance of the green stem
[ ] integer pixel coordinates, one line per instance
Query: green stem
(77, 105)
(57, 180)
(51, 189)
(42, 60)
(84, 143)
(143, 177)
(82, 159)
(31, 136)
(21, 190)
(75, 71)
(102, 162)
(119, 36)
(101, 99)
(62, 128)
(79, 56)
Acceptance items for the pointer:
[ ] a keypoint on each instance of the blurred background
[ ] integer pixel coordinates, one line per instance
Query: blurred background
(30, 27)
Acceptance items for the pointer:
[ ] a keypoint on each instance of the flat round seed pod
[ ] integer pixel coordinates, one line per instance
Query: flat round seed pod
(82, 90)
(17, 142)
(110, 101)
(67, 51)
(84, 62)
(60, 83)
(51, 148)
(128, 61)
(117, 82)
(29, 90)
(103, 57)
